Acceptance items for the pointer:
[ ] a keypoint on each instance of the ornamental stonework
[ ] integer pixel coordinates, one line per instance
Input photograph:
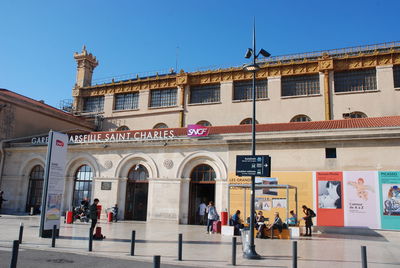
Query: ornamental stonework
(168, 163)
(108, 164)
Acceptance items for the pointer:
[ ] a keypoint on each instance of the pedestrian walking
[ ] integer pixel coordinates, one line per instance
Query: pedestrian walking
(308, 219)
(212, 216)
(202, 212)
(93, 213)
(1, 199)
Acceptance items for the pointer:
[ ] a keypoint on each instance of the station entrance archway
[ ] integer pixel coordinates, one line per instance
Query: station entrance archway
(137, 190)
(202, 188)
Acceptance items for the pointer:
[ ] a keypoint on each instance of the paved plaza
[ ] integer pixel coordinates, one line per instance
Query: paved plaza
(199, 249)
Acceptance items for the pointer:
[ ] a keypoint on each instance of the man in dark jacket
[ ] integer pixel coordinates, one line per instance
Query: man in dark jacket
(93, 213)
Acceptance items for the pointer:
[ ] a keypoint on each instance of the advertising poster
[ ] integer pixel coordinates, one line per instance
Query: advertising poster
(279, 203)
(266, 190)
(389, 188)
(361, 199)
(55, 166)
(330, 210)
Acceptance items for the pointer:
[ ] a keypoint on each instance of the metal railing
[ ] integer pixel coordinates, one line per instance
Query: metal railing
(335, 53)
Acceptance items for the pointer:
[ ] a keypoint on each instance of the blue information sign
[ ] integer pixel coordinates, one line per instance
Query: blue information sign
(250, 165)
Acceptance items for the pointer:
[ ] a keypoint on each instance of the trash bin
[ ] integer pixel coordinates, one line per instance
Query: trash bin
(109, 216)
(69, 217)
(246, 239)
(224, 218)
(98, 211)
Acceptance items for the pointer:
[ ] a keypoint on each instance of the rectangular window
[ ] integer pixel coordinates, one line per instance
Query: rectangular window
(205, 94)
(163, 97)
(355, 81)
(244, 90)
(127, 101)
(302, 85)
(93, 104)
(396, 76)
(330, 152)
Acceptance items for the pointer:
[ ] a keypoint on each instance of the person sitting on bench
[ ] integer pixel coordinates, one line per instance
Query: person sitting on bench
(292, 221)
(277, 224)
(237, 222)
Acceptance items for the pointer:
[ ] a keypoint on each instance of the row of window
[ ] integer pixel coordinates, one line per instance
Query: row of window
(303, 85)
(248, 121)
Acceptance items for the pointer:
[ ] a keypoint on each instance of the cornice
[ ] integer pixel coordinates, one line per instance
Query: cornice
(273, 69)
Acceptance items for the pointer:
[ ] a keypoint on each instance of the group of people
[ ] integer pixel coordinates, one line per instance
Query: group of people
(278, 224)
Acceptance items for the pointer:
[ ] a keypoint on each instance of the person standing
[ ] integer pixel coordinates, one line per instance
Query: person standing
(212, 216)
(202, 212)
(309, 214)
(115, 212)
(93, 213)
(1, 199)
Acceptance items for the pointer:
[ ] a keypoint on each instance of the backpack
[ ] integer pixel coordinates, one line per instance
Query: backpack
(312, 213)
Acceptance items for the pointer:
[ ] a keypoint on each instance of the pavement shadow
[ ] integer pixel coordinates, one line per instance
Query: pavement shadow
(151, 241)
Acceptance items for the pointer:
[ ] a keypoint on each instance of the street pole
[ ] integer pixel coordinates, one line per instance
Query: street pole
(252, 254)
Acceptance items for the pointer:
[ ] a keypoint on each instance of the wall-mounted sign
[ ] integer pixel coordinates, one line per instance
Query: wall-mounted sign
(197, 131)
(99, 137)
(105, 185)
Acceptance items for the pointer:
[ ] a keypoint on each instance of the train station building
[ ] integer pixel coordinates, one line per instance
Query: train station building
(162, 143)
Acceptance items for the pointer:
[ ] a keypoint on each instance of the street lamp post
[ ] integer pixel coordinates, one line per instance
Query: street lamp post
(254, 67)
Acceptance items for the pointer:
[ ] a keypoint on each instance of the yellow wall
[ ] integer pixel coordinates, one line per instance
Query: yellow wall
(302, 180)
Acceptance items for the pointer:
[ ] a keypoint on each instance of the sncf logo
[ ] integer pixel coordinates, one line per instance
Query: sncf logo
(59, 143)
(197, 131)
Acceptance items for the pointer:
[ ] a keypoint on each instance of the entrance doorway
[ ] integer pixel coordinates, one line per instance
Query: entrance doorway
(202, 189)
(35, 189)
(137, 190)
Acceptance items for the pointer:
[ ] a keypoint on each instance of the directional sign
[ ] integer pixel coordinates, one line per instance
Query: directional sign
(249, 165)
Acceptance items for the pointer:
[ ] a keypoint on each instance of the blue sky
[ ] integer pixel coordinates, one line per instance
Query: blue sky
(38, 38)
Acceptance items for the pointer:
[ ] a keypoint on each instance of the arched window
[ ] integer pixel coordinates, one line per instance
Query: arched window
(204, 123)
(138, 173)
(301, 118)
(82, 185)
(358, 115)
(160, 125)
(247, 121)
(202, 172)
(122, 128)
(35, 189)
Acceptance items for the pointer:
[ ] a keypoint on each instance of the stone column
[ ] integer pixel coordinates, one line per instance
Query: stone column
(164, 199)
(108, 105)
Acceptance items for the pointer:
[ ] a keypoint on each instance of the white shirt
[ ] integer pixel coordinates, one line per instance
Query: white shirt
(202, 209)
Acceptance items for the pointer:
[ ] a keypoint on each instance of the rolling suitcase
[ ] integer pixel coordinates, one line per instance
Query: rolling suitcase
(216, 227)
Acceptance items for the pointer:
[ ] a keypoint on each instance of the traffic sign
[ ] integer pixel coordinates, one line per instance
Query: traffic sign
(253, 165)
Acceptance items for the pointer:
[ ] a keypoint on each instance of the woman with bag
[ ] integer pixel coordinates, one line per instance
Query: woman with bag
(212, 216)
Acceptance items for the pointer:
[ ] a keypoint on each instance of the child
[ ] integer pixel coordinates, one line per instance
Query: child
(115, 212)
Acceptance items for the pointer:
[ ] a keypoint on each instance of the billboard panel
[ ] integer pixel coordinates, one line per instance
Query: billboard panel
(361, 199)
(389, 188)
(330, 199)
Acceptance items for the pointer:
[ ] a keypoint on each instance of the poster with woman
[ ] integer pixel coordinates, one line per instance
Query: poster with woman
(329, 198)
(389, 188)
(361, 199)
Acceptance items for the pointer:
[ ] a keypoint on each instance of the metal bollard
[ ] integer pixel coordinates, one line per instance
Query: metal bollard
(14, 258)
(364, 263)
(133, 243)
(156, 261)
(53, 236)
(294, 257)
(21, 232)
(180, 247)
(233, 250)
(91, 239)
